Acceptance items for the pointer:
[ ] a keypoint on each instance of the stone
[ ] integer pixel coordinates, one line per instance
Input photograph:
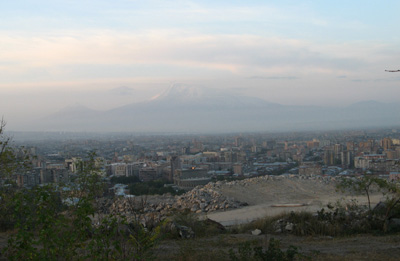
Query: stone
(289, 227)
(256, 232)
(185, 232)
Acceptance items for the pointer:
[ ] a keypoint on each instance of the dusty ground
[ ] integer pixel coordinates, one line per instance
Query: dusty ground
(364, 247)
(263, 194)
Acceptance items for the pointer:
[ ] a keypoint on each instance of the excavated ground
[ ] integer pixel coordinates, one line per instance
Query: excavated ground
(269, 196)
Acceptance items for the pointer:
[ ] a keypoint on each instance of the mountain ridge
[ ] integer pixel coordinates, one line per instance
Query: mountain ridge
(196, 109)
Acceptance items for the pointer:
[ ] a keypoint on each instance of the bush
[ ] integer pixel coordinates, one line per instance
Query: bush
(342, 220)
(201, 228)
(306, 223)
(45, 229)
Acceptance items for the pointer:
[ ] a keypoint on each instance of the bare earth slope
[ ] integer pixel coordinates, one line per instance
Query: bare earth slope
(272, 195)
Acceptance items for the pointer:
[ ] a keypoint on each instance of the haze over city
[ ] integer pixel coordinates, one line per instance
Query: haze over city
(103, 55)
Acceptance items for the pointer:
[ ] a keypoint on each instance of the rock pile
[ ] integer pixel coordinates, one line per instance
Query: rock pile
(267, 178)
(149, 210)
(198, 200)
(205, 199)
(283, 226)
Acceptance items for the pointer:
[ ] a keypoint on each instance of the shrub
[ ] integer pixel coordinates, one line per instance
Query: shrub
(45, 229)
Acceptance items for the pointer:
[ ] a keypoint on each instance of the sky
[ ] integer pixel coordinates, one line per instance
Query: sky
(104, 54)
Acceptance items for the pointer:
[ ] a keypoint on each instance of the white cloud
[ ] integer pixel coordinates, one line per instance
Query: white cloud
(246, 55)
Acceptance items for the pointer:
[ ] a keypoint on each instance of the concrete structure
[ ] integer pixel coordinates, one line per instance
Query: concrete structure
(329, 157)
(148, 174)
(347, 158)
(191, 183)
(387, 143)
(237, 169)
(190, 178)
(175, 164)
(54, 176)
(119, 169)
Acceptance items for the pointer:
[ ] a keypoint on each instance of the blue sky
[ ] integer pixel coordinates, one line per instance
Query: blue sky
(323, 20)
(57, 53)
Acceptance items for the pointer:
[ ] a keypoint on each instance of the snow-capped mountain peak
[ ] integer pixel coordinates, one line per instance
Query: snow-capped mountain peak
(184, 92)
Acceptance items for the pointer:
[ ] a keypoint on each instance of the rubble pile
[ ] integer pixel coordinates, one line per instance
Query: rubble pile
(283, 226)
(205, 199)
(268, 178)
(198, 200)
(153, 209)
(201, 199)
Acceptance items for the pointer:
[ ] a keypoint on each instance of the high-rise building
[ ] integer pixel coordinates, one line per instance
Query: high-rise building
(350, 145)
(238, 141)
(338, 148)
(347, 158)
(387, 143)
(329, 157)
(175, 164)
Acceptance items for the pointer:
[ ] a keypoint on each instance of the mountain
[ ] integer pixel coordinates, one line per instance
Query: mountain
(185, 108)
(72, 118)
(199, 96)
(75, 110)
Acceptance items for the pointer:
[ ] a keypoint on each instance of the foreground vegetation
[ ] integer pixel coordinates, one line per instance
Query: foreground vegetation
(51, 223)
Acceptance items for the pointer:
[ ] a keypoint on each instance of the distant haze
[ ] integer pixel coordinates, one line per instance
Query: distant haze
(196, 109)
(103, 55)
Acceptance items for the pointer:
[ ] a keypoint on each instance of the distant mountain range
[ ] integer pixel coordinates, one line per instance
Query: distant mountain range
(191, 109)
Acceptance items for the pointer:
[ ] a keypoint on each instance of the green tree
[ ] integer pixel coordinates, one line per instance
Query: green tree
(55, 222)
(9, 165)
(364, 185)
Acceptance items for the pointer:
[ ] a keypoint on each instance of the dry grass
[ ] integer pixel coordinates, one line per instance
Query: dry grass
(365, 247)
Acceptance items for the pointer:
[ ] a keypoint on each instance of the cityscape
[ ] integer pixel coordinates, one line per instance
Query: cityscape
(191, 160)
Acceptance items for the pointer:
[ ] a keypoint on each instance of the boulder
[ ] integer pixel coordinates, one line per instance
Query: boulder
(256, 232)
(185, 232)
(289, 227)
